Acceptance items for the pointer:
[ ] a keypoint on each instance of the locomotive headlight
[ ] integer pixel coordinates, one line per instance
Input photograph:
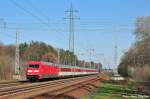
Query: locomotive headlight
(29, 70)
(36, 70)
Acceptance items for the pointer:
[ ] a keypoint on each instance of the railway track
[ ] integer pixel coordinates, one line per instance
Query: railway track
(12, 83)
(19, 88)
(35, 89)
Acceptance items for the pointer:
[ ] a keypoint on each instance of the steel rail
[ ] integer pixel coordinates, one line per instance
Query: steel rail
(5, 91)
(12, 83)
(71, 88)
(32, 84)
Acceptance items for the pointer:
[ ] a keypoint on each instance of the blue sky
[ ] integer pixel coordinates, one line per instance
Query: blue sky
(102, 22)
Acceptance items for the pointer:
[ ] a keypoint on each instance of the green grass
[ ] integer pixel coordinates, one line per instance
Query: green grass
(113, 91)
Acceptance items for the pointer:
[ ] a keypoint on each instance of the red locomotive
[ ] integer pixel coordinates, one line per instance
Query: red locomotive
(37, 70)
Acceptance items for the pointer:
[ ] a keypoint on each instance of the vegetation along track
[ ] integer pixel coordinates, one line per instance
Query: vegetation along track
(34, 89)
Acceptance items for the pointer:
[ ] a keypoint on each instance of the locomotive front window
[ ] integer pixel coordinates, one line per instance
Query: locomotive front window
(33, 66)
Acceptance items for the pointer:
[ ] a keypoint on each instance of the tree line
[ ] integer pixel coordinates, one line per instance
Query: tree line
(36, 50)
(136, 61)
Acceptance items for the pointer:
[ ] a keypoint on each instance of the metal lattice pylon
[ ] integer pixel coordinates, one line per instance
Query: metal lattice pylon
(17, 65)
(71, 18)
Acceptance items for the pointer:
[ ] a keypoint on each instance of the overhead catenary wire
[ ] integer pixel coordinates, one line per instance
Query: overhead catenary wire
(33, 15)
(30, 13)
(80, 27)
(44, 16)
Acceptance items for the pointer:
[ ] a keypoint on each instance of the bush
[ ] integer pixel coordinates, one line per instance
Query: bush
(141, 73)
(6, 67)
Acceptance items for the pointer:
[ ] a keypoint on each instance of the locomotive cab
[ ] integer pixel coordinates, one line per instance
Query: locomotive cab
(33, 72)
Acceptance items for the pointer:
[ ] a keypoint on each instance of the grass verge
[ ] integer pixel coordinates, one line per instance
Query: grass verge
(114, 91)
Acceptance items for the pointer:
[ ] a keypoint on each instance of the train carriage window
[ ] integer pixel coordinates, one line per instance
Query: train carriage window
(33, 66)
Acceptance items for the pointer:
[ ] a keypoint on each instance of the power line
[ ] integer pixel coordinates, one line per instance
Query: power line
(43, 15)
(27, 11)
(82, 28)
(33, 15)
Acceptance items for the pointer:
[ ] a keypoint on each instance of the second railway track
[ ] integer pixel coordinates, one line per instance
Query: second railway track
(12, 83)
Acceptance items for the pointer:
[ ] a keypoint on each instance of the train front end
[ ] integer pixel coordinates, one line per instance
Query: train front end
(33, 71)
